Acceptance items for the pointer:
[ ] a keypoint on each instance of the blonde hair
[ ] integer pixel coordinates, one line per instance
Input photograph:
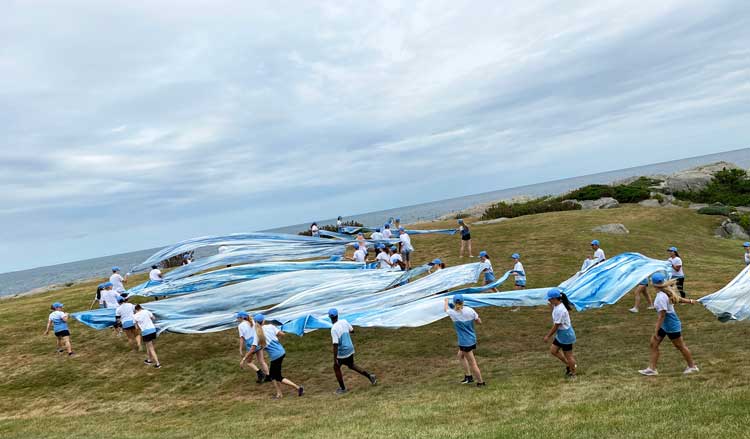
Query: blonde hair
(668, 288)
(458, 306)
(260, 335)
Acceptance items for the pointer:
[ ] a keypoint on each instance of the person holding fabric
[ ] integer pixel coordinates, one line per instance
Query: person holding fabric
(405, 246)
(267, 337)
(562, 330)
(463, 318)
(117, 280)
(678, 274)
(463, 228)
(58, 320)
(397, 223)
(397, 261)
(642, 290)
(747, 252)
(486, 265)
(599, 255)
(98, 297)
(387, 231)
(436, 265)
(343, 351)
(667, 324)
(145, 322)
(247, 335)
(155, 274)
(359, 255)
(518, 272)
(362, 243)
(109, 296)
(124, 315)
(376, 235)
(383, 258)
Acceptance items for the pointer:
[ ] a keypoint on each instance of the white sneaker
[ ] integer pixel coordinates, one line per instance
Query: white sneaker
(689, 370)
(634, 309)
(648, 372)
(652, 307)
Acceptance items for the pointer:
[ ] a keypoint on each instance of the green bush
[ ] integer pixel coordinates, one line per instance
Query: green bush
(715, 210)
(461, 215)
(332, 227)
(634, 192)
(729, 186)
(743, 219)
(540, 205)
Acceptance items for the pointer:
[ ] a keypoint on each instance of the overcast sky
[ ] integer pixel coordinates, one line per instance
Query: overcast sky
(128, 125)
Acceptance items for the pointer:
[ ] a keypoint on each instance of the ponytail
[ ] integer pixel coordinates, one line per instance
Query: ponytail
(677, 254)
(565, 301)
(138, 307)
(669, 289)
(260, 335)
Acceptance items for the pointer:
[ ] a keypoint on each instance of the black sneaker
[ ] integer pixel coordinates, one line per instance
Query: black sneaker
(267, 379)
(482, 384)
(468, 380)
(148, 362)
(567, 371)
(70, 354)
(300, 391)
(373, 379)
(261, 376)
(157, 366)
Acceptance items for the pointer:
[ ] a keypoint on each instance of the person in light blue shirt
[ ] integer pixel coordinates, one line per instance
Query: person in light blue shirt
(58, 320)
(519, 272)
(267, 337)
(562, 330)
(343, 351)
(463, 318)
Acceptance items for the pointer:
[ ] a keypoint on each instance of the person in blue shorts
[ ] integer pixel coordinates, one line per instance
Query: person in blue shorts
(58, 320)
(267, 337)
(343, 351)
(642, 290)
(668, 324)
(124, 315)
(562, 331)
(463, 318)
(486, 265)
(518, 272)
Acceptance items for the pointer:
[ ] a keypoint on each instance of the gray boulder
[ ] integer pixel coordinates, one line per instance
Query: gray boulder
(650, 203)
(732, 230)
(601, 203)
(615, 229)
(695, 179)
(698, 206)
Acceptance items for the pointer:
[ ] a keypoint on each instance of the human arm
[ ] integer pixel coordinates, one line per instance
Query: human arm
(49, 323)
(446, 307)
(552, 331)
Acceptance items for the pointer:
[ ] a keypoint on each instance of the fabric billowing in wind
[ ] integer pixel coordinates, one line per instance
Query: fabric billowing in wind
(733, 301)
(351, 230)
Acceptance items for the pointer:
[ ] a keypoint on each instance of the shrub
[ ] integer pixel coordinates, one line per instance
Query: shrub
(540, 205)
(729, 186)
(332, 227)
(633, 192)
(461, 215)
(715, 210)
(743, 219)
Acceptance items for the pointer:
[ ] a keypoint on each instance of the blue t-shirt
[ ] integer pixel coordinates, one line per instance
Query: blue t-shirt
(340, 336)
(463, 322)
(273, 346)
(671, 322)
(58, 323)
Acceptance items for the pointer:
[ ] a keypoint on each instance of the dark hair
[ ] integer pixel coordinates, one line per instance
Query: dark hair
(313, 224)
(676, 254)
(565, 301)
(154, 266)
(99, 292)
(442, 265)
(334, 319)
(138, 307)
(52, 307)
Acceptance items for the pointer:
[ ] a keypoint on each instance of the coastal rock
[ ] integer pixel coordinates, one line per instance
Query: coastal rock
(695, 179)
(697, 206)
(650, 203)
(729, 229)
(492, 221)
(615, 229)
(601, 203)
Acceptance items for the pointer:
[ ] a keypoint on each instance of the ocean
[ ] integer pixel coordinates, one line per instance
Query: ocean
(26, 280)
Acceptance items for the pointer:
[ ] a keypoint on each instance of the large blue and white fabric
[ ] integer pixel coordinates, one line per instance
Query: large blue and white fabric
(350, 230)
(733, 301)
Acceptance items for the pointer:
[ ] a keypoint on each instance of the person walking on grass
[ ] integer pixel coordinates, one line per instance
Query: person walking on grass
(118, 281)
(463, 318)
(667, 324)
(747, 252)
(486, 265)
(397, 262)
(98, 297)
(124, 315)
(465, 232)
(562, 331)
(58, 320)
(267, 337)
(642, 290)
(405, 246)
(518, 272)
(246, 329)
(343, 351)
(145, 322)
(678, 274)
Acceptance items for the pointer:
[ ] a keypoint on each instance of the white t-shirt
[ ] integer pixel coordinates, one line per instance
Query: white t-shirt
(599, 256)
(110, 298)
(676, 261)
(377, 236)
(155, 274)
(340, 336)
(116, 280)
(384, 258)
(662, 303)
(338, 223)
(396, 258)
(561, 316)
(359, 255)
(519, 269)
(486, 265)
(747, 258)
(125, 311)
(144, 319)
(387, 234)
(406, 242)
(246, 331)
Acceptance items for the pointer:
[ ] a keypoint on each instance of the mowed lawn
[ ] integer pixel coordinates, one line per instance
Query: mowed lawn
(106, 391)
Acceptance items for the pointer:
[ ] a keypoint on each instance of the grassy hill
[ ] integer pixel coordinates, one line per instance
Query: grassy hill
(200, 392)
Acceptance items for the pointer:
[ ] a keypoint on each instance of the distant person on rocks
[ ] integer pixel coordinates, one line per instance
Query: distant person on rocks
(117, 280)
(343, 351)
(383, 258)
(98, 297)
(267, 337)
(562, 330)
(463, 318)
(436, 265)
(124, 314)
(678, 274)
(387, 231)
(339, 224)
(376, 235)
(489, 275)
(155, 274)
(145, 322)
(405, 246)
(314, 230)
(667, 324)
(518, 272)
(463, 228)
(246, 329)
(747, 252)
(642, 290)
(58, 320)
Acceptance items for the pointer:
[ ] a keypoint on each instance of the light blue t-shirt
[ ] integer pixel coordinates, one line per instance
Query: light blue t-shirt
(58, 323)
(671, 322)
(273, 346)
(463, 322)
(340, 335)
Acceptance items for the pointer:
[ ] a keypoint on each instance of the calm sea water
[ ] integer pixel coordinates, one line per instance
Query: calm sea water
(22, 281)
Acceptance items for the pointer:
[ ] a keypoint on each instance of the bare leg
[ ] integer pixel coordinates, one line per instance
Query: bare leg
(139, 341)
(261, 362)
(679, 343)
(464, 363)
(277, 386)
(469, 356)
(571, 361)
(290, 383)
(638, 292)
(655, 342)
(66, 343)
(469, 244)
(339, 375)
(360, 371)
(461, 252)
(555, 352)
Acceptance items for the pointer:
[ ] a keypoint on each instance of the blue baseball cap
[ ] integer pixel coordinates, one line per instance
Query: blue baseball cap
(356, 246)
(398, 219)
(259, 318)
(387, 226)
(658, 278)
(394, 248)
(242, 315)
(747, 244)
(554, 293)
(115, 268)
(460, 221)
(107, 285)
(378, 229)
(333, 312)
(458, 298)
(381, 245)
(57, 305)
(672, 249)
(483, 254)
(515, 256)
(595, 242)
(435, 262)
(401, 229)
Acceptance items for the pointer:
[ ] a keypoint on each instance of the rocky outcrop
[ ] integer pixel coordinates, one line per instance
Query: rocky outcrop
(650, 203)
(694, 179)
(730, 229)
(614, 229)
(601, 203)
(492, 221)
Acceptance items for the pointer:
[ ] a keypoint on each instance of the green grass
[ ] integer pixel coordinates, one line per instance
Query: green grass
(201, 392)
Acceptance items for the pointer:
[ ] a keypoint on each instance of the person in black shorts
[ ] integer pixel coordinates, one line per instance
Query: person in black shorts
(465, 238)
(343, 351)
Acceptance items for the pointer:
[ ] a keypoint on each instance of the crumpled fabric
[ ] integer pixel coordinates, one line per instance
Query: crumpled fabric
(733, 301)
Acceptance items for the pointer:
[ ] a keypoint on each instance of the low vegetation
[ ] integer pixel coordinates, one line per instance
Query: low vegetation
(730, 187)
(539, 205)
